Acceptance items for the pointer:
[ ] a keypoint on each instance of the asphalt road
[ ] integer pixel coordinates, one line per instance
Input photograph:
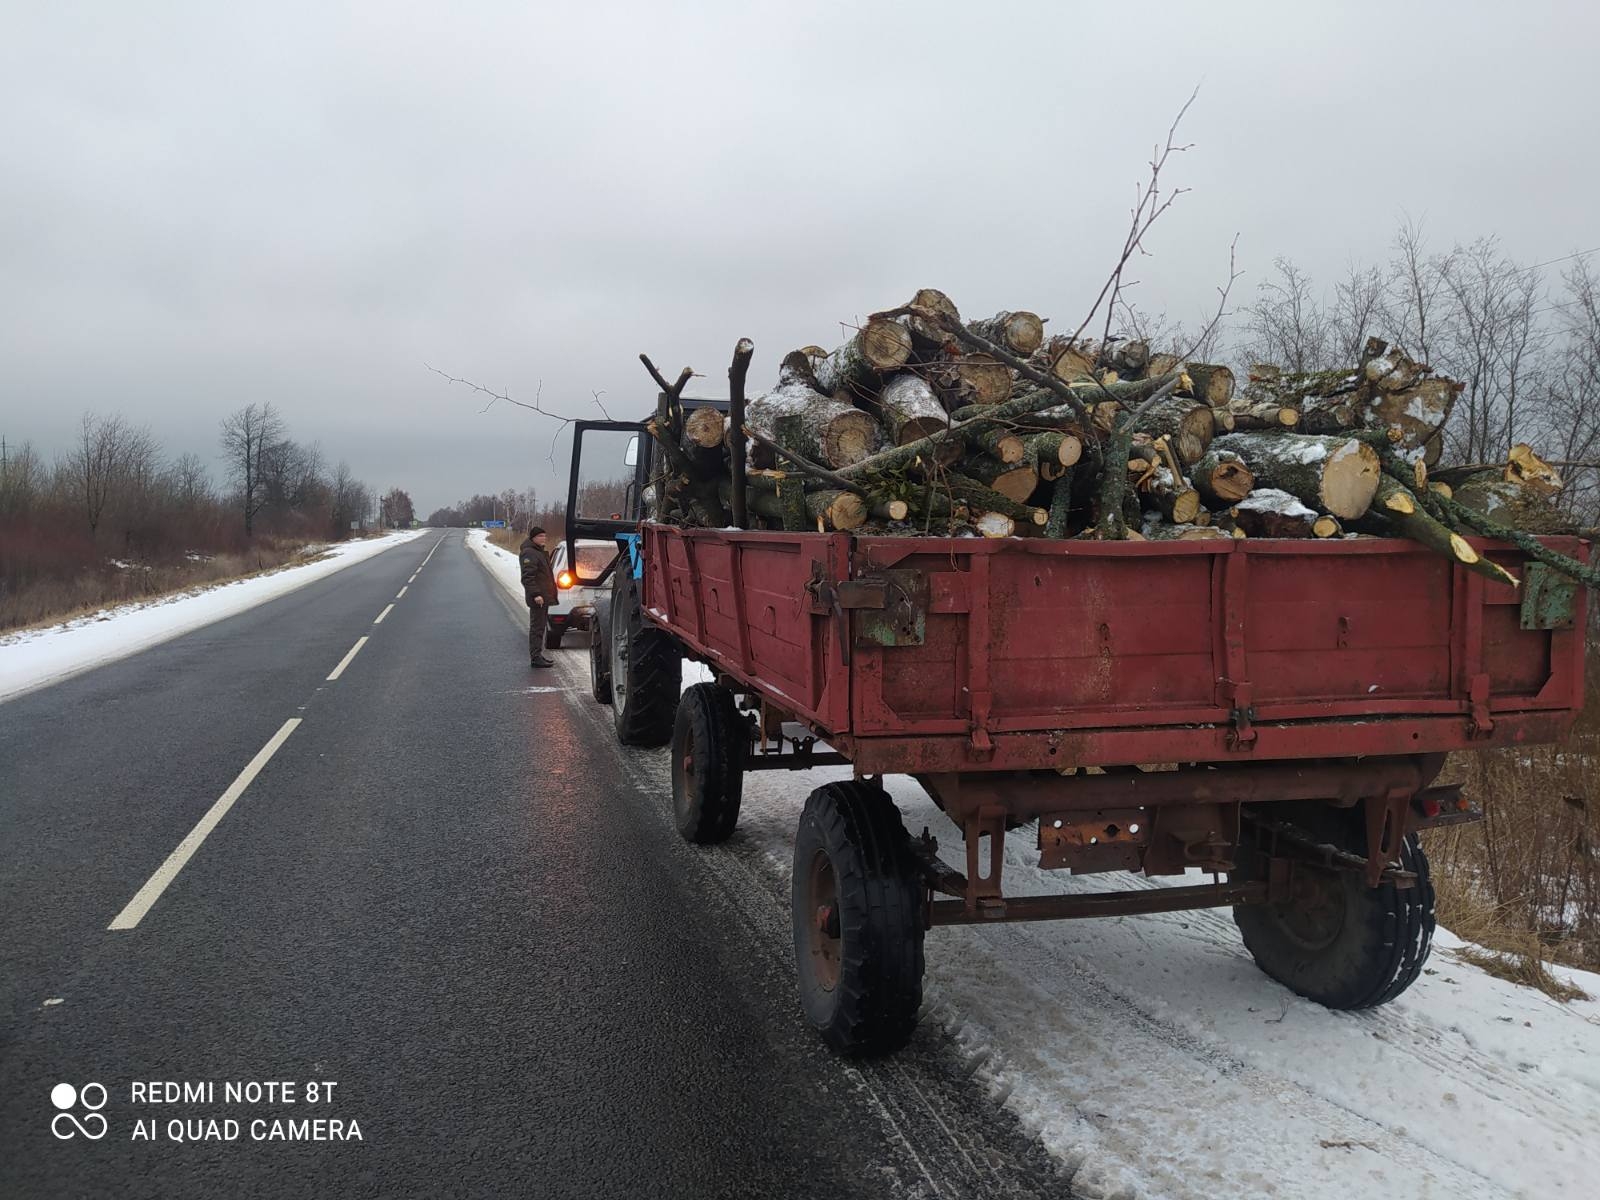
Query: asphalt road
(448, 892)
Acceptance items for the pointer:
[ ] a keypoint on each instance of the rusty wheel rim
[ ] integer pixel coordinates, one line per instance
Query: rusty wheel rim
(823, 941)
(683, 776)
(1315, 917)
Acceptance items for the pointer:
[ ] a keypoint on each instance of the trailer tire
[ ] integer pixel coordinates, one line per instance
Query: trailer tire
(1341, 943)
(552, 638)
(857, 914)
(708, 747)
(646, 670)
(600, 651)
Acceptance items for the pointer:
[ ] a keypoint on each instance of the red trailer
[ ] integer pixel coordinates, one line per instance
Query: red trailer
(1273, 713)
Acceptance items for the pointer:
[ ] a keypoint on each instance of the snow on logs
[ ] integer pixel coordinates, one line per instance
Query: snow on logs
(922, 423)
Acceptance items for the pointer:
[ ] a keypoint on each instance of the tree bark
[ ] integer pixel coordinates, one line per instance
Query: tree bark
(981, 499)
(1274, 513)
(825, 431)
(771, 494)
(855, 370)
(1418, 413)
(1020, 332)
(1007, 445)
(1331, 474)
(909, 409)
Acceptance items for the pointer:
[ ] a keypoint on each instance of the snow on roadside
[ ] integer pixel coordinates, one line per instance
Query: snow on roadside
(35, 658)
(503, 565)
(1154, 1059)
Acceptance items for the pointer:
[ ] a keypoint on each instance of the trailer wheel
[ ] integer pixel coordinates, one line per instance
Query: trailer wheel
(857, 920)
(1339, 942)
(646, 670)
(708, 746)
(600, 651)
(552, 638)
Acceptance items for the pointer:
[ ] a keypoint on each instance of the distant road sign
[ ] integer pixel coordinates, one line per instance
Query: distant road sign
(494, 524)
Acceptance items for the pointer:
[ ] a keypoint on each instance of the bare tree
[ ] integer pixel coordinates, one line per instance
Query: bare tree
(1492, 343)
(1286, 324)
(396, 510)
(1360, 311)
(22, 479)
(190, 482)
(1416, 292)
(246, 436)
(1569, 412)
(95, 465)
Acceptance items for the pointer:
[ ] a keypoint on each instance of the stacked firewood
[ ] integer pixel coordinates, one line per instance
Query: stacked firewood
(922, 423)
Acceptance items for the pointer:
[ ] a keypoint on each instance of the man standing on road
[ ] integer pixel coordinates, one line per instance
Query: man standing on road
(539, 590)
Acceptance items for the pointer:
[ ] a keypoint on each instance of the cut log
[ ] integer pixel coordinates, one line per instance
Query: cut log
(1210, 382)
(1390, 370)
(1222, 421)
(705, 428)
(928, 338)
(825, 431)
(1221, 478)
(1418, 413)
(1058, 446)
(995, 525)
(856, 369)
(1015, 481)
(772, 494)
(1267, 415)
(982, 499)
(1330, 474)
(1511, 504)
(1273, 513)
(1007, 445)
(975, 378)
(1527, 469)
(1172, 497)
(889, 510)
(1186, 422)
(909, 410)
(1068, 363)
(1326, 527)
(1020, 332)
(800, 366)
(1161, 531)
(1128, 358)
(1160, 364)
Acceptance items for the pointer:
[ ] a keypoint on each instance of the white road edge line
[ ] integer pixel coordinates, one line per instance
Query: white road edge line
(401, 592)
(384, 614)
(413, 578)
(130, 916)
(345, 661)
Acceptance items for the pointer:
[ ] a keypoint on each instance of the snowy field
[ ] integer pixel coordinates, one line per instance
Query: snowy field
(1154, 1060)
(34, 658)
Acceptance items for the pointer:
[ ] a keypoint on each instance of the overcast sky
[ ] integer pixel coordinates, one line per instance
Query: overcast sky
(207, 204)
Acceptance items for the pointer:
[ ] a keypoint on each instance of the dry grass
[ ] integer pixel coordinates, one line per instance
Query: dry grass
(50, 601)
(1526, 968)
(508, 538)
(1524, 883)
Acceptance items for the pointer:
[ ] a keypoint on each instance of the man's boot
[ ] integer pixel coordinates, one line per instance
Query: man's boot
(542, 661)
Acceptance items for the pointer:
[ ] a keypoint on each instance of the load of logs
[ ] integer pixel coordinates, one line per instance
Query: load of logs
(923, 423)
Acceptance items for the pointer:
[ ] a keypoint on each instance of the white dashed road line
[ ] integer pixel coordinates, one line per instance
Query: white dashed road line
(430, 554)
(384, 614)
(146, 896)
(345, 661)
(401, 592)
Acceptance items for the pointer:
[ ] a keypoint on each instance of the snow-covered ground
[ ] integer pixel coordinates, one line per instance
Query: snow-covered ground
(34, 658)
(1153, 1058)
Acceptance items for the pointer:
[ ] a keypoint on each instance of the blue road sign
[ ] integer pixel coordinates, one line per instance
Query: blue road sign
(494, 524)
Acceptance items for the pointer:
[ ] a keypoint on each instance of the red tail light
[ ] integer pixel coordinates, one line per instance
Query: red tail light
(565, 580)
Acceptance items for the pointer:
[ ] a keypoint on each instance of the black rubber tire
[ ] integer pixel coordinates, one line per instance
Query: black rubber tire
(861, 991)
(600, 651)
(552, 638)
(646, 671)
(1372, 942)
(709, 739)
